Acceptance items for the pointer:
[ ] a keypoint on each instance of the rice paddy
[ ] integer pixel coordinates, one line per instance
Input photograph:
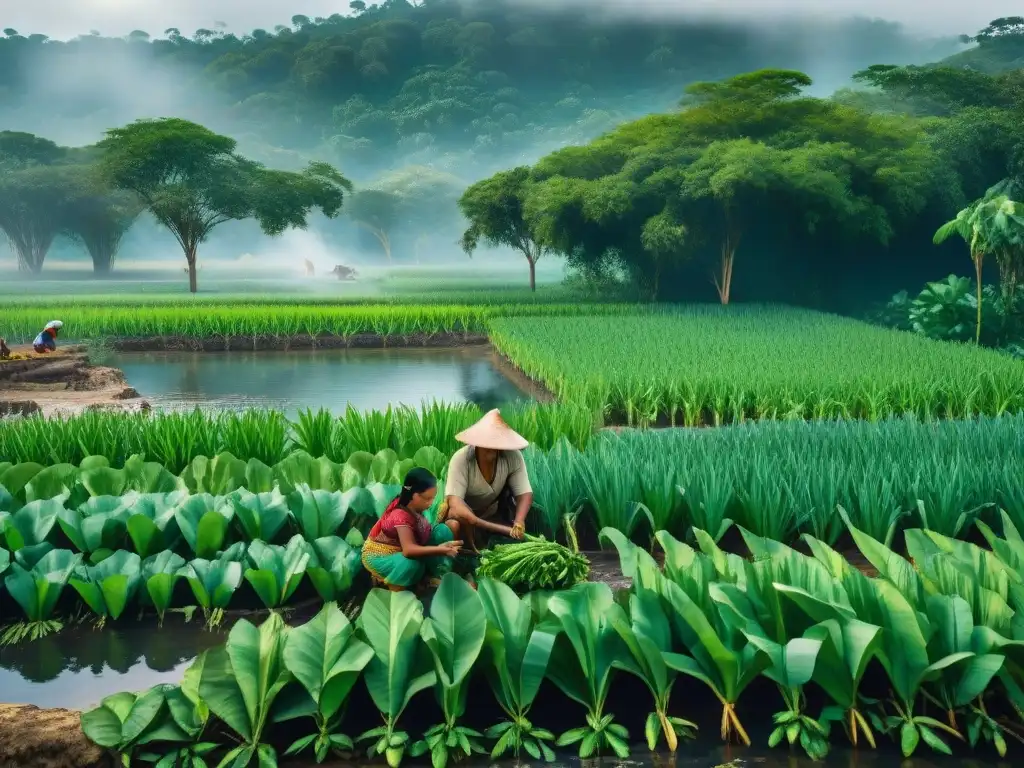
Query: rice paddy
(709, 366)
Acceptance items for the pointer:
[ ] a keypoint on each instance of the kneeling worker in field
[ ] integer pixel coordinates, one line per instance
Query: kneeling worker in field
(46, 341)
(487, 483)
(403, 547)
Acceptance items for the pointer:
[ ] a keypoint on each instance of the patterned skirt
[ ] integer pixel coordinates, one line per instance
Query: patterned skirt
(389, 568)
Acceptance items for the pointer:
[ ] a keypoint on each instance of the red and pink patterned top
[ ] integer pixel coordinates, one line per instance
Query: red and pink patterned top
(385, 530)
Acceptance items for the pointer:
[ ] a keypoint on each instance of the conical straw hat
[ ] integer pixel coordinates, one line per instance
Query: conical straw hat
(492, 432)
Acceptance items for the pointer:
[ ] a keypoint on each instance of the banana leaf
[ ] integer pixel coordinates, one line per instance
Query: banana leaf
(160, 573)
(203, 521)
(583, 661)
(38, 588)
(218, 476)
(99, 526)
(108, 587)
(333, 567)
(321, 513)
(258, 516)
(275, 572)
(32, 524)
(152, 526)
(213, 582)
(241, 681)
(326, 658)
(454, 632)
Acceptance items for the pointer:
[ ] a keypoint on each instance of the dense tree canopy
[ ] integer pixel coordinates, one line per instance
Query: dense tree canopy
(192, 180)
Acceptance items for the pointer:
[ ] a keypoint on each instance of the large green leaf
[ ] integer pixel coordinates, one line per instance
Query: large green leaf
(151, 523)
(17, 476)
(517, 650)
(55, 480)
(37, 589)
(6, 500)
(213, 582)
(319, 513)
(109, 586)
(326, 658)
(217, 476)
(160, 573)
(277, 571)
(454, 631)
(299, 468)
(32, 524)
(203, 522)
(258, 515)
(401, 666)
(333, 566)
(647, 636)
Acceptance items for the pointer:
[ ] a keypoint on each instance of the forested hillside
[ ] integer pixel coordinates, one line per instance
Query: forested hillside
(472, 84)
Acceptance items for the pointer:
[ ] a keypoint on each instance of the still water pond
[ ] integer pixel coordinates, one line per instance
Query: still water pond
(291, 381)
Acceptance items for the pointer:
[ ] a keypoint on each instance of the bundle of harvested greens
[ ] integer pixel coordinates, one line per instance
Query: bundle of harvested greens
(534, 563)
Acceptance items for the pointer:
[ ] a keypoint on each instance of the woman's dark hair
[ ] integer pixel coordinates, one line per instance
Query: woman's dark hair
(418, 480)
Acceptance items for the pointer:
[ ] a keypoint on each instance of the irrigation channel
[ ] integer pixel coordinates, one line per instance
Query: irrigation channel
(330, 378)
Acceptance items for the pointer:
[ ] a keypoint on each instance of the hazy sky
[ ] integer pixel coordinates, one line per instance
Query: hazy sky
(67, 18)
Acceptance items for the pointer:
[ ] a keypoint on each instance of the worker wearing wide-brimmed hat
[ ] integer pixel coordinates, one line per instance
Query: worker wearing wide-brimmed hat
(487, 487)
(46, 341)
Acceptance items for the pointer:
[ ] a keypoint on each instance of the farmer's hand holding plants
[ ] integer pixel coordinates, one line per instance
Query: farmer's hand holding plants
(517, 531)
(450, 548)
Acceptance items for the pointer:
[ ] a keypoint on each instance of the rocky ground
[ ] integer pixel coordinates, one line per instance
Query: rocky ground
(61, 382)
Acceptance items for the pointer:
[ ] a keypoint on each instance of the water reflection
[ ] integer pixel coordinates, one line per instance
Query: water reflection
(79, 666)
(365, 378)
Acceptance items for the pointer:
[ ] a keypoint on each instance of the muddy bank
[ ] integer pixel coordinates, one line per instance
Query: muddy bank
(61, 381)
(46, 738)
(284, 343)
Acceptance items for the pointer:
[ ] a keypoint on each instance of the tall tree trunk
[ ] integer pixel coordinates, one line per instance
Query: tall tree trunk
(723, 280)
(533, 274)
(190, 257)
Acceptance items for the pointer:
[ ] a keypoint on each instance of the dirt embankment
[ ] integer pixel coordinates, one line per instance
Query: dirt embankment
(61, 381)
(46, 738)
(303, 341)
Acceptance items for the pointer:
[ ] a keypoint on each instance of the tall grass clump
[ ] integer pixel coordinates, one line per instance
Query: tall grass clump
(699, 366)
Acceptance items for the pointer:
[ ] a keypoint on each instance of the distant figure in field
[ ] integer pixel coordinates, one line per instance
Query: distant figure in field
(310, 270)
(5, 351)
(46, 341)
(343, 272)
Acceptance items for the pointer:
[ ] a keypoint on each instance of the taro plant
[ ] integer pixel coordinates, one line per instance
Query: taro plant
(36, 585)
(319, 513)
(32, 524)
(218, 476)
(334, 564)
(160, 573)
(241, 681)
(203, 521)
(326, 657)
(516, 652)
(454, 632)
(582, 664)
(108, 586)
(400, 668)
(151, 523)
(647, 636)
(259, 516)
(275, 572)
(213, 582)
(99, 526)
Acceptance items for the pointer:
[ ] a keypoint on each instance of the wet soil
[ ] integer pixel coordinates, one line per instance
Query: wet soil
(46, 738)
(61, 382)
(305, 341)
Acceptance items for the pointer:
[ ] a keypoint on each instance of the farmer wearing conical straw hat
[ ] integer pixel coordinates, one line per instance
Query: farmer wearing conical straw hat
(487, 483)
(46, 341)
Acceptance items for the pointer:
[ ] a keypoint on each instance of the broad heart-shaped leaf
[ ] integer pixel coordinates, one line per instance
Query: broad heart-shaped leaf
(259, 515)
(218, 476)
(581, 664)
(160, 573)
(241, 680)
(299, 468)
(6, 500)
(318, 513)
(203, 521)
(518, 650)
(213, 582)
(401, 666)
(151, 522)
(109, 586)
(276, 571)
(382, 467)
(326, 657)
(104, 481)
(333, 566)
(38, 588)
(454, 632)
(55, 480)
(99, 523)
(32, 524)
(17, 476)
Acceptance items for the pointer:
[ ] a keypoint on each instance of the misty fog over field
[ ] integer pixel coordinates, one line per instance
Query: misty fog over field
(80, 84)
